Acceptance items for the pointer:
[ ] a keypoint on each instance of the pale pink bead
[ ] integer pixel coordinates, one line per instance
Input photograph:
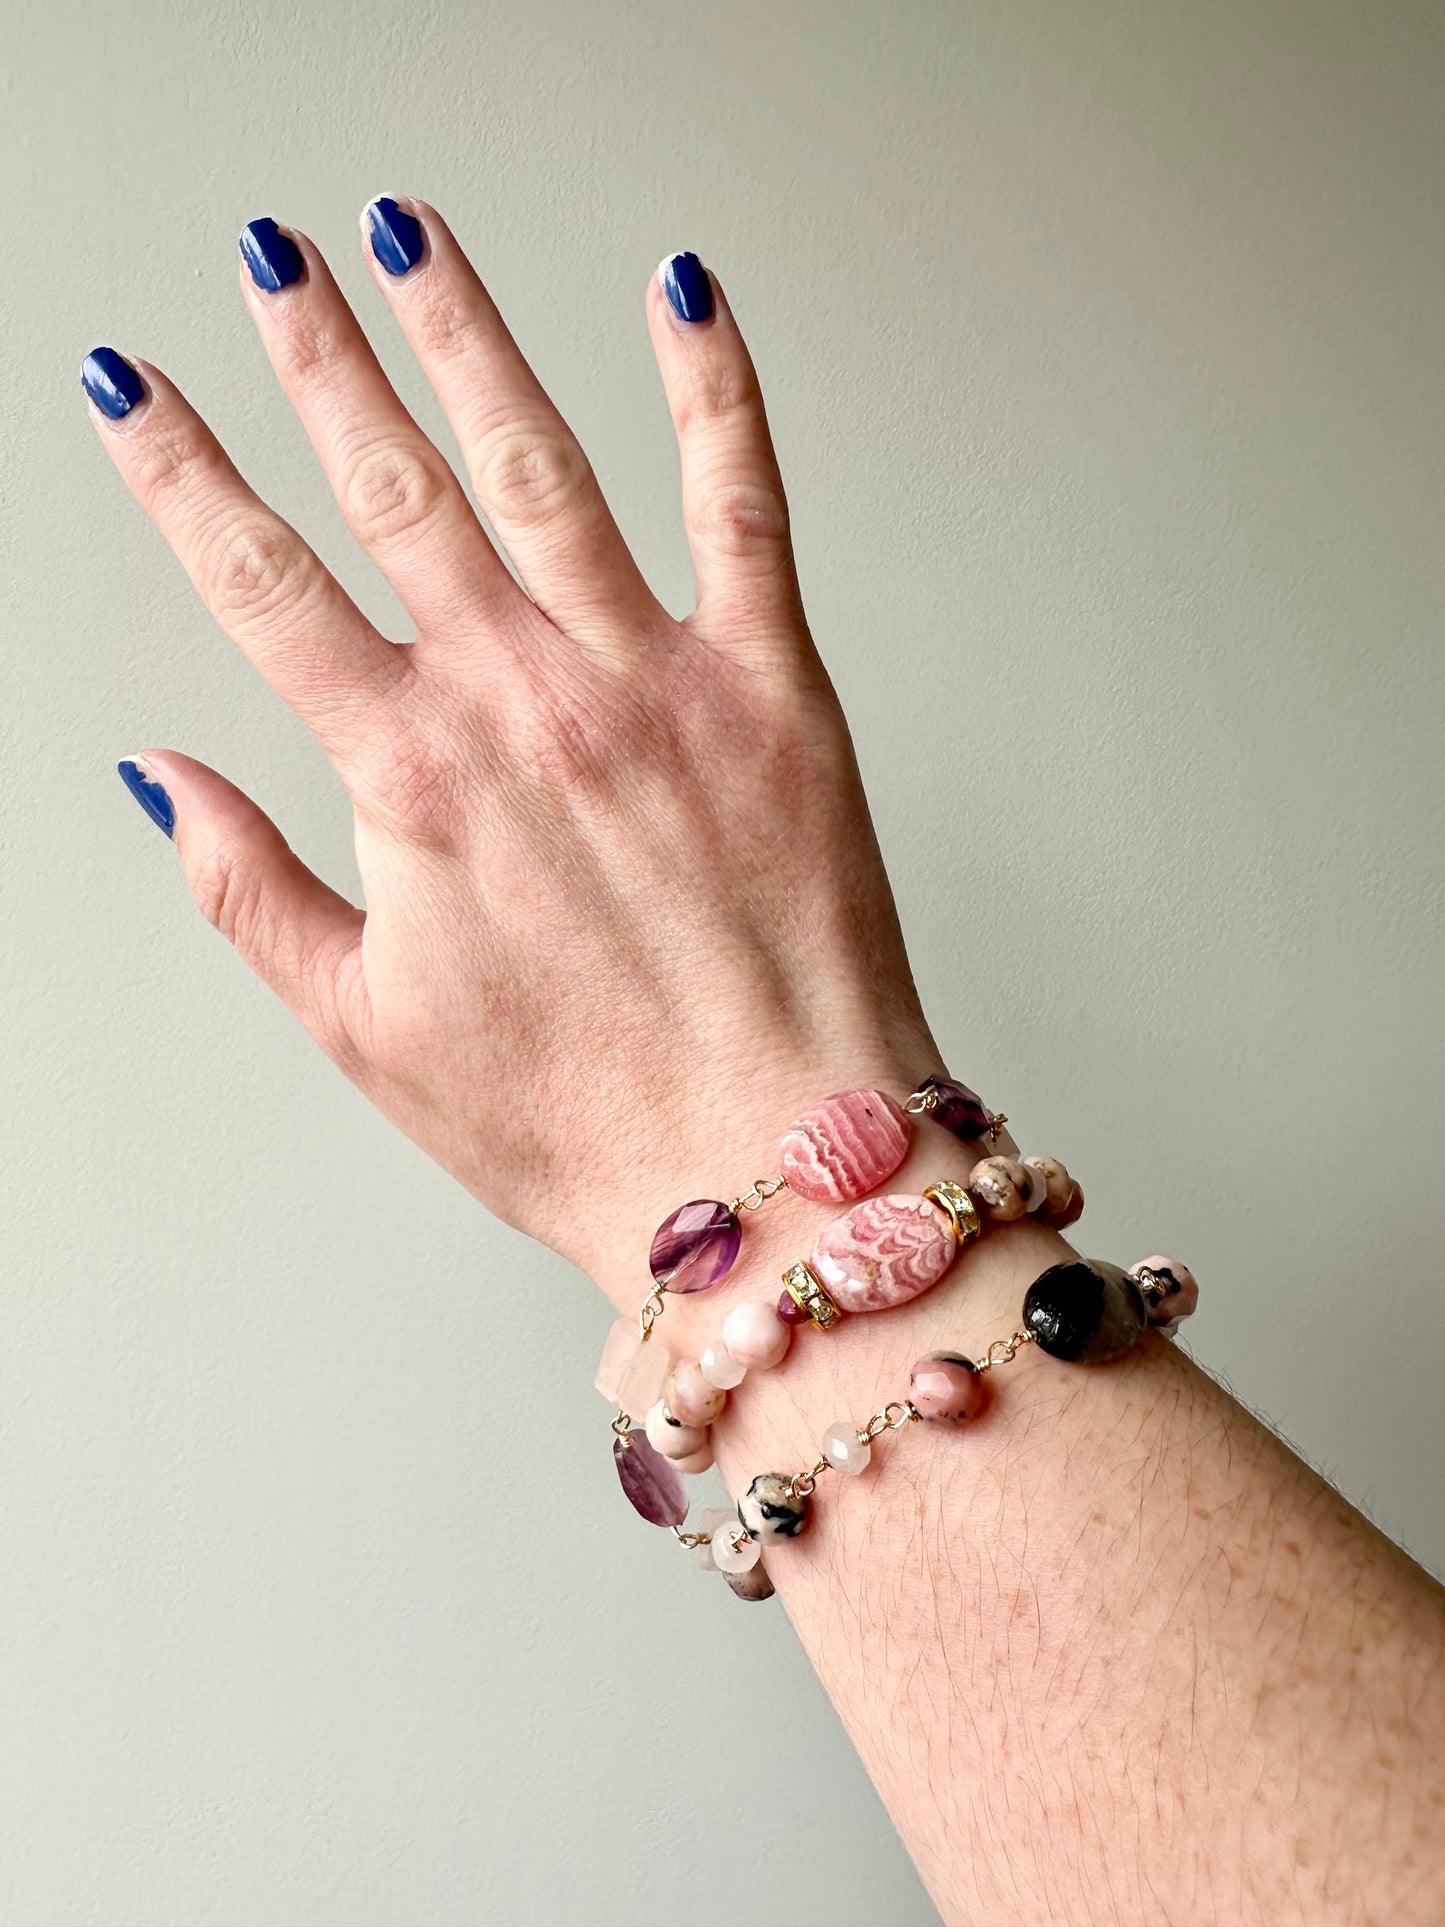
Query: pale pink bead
(713, 1519)
(733, 1550)
(695, 1462)
(720, 1368)
(1002, 1187)
(755, 1335)
(884, 1252)
(844, 1147)
(1176, 1304)
(631, 1373)
(689, 1397)
(844, 1450)
(1072, 1211)
(946, 1385)
(674, 1442)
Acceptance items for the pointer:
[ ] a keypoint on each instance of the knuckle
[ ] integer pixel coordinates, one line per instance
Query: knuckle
(170, 458)
(738, 516)
(417, 789)
(229, 896)
(390, 491)
(529, 477)
(252, 568)
(721, 392)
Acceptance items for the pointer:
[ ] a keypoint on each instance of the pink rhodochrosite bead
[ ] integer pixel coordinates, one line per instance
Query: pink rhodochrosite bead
(755, 1335)
(844, 1147)
(884, 1252)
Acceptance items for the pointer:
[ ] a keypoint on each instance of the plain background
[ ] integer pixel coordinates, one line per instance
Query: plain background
(1103, 350)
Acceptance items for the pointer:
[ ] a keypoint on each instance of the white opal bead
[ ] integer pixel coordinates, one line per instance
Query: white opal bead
(720, 1368)
(755, 1335)
(733, 1550)
(671, 1440)
(844, 1451)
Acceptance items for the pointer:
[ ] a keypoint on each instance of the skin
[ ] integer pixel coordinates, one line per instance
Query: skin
(1110, 1653)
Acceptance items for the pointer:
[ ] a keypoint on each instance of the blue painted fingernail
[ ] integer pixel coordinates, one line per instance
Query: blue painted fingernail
(396, 236)
(685, 283)
(110, 381)
(149, 794)
(274, 259)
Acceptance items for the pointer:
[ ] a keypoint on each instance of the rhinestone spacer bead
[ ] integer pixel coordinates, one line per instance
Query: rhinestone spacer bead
(957, 1206)
(806, 1290)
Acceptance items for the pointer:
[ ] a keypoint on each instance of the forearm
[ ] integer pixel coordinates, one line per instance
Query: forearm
(1110, 1651)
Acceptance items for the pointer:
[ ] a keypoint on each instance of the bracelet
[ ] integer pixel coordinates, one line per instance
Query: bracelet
(842, 1149)
(1083, 1310)
(884, 1252)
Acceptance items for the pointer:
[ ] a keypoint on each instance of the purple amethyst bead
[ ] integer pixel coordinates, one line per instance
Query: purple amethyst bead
(652, 1485)
(958, 1109)
(696, 1246)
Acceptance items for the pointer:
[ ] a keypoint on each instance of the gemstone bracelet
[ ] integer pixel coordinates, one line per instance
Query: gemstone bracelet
(1084, 1311)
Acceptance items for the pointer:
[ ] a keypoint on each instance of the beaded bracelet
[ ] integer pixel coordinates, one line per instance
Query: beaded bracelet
(1083, 1310)
(884, 1252)
(838, 1151)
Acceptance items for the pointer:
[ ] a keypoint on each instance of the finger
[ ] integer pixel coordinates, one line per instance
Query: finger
(532, 480)
(262, 583)
(397, 492)
(293, 930)
(734, 508)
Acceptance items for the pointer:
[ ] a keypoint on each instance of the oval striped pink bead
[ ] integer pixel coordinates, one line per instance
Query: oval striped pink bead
(884, 1252)
(844, 1147)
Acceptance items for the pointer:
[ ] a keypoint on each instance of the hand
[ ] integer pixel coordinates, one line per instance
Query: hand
(625, 912)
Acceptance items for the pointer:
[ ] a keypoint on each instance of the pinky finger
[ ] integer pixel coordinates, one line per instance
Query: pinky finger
(295, 932)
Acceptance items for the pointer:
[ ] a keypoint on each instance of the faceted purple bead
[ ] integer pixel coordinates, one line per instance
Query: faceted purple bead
(652, 1485)
(958, 1109)
(696, 1246)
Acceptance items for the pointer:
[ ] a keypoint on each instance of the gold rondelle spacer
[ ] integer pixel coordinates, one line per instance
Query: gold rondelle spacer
(957, 1206)
(805, 1288)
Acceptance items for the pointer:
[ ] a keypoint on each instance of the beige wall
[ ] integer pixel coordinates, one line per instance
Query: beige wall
(1103, 345)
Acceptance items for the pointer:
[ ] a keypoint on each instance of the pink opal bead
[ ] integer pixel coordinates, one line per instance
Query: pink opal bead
(695, 1462)
(844, 1147)
(946, 1385)
(884, 1252)
(1002, 1187)
(756, 1336)
(1182, 1301)
(690, 1398)
(673, 1441)
(1058, 1186)
(720, 1368)
(1072, 1211)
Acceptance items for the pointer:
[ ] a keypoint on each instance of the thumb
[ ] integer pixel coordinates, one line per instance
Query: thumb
(294, 931)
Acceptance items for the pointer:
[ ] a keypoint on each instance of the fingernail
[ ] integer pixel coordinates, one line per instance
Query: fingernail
(274, 259)
(149, 794)
(396, 236)
(110, 381)
(685, 283)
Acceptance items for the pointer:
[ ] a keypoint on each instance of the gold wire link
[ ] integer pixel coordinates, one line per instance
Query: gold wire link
(1150, 1284)
(803, 1484)
(921, 1102)
(895, 1414)
(622, 1426)
(762, 1190)
(1003, 1350)
(650, 1313)
(691, 1540)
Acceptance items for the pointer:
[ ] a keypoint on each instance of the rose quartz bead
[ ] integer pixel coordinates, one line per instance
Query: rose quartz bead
(733, 1550)
(1002, 1187)
(673, 1441)
(1181, 1301)
(844, 1147)
(755, 1335)
(631, 1373)
(946, 1385)
(720, 1368)
(884, 1252)
(689, 1397)
(844, 1450)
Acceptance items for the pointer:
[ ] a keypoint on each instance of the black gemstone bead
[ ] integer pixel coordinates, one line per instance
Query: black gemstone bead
(1085, 1310)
